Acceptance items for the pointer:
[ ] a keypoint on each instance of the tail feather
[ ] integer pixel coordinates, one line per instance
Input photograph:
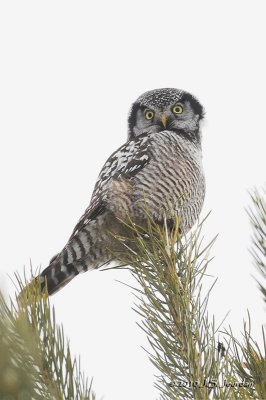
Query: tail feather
(57, 275)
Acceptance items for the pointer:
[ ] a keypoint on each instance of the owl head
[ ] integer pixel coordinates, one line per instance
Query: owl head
(166, 110)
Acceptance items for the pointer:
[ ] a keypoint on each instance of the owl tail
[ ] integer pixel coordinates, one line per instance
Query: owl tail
(56, 276)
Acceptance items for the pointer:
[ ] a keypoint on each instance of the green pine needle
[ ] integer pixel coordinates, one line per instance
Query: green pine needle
(36, 362)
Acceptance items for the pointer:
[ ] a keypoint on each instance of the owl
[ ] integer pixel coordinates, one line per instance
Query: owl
(159, 168)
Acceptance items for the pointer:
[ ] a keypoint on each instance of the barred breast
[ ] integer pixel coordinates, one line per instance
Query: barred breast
(172, 183)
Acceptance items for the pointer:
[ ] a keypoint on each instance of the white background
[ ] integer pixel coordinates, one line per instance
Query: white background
(68, 74)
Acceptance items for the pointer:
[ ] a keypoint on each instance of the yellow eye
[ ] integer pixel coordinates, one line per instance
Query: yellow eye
(178, 109)
(149, 114)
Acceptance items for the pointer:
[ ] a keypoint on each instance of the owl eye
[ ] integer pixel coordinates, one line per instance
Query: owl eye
(178, 109)
(149, 114)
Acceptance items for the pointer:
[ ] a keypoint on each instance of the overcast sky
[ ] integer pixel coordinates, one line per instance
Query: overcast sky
(69, 72)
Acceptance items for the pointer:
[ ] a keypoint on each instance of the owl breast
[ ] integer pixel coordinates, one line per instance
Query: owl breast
(173, 182)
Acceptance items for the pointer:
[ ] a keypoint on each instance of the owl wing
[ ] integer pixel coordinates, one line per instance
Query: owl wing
(127, 161)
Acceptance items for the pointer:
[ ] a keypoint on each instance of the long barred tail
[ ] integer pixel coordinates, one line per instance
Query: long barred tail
(57, 275)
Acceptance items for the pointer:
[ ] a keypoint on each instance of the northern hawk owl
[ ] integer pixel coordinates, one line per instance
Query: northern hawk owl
(159, 167)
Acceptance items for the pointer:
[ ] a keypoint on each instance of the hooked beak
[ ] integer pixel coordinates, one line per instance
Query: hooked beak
(164, 120)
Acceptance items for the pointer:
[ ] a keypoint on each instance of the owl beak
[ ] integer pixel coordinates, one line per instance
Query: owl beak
(164, 120)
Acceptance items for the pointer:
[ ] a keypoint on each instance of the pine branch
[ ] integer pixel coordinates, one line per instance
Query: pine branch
(20, 363)
(257, 215)
(35, 356)
(249, 358)
(170, 271)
